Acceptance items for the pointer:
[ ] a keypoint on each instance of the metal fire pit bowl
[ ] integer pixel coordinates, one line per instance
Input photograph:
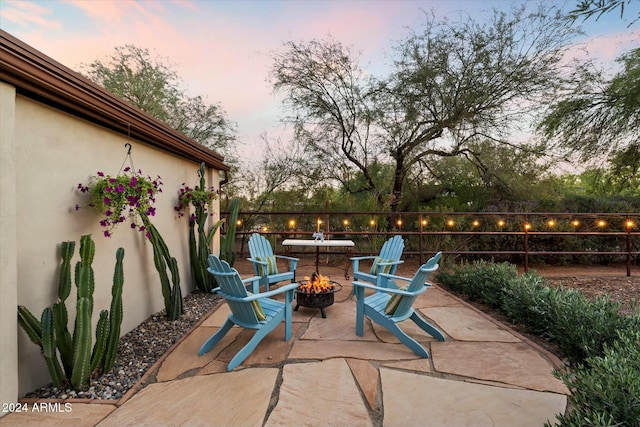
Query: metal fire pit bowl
(316, 300)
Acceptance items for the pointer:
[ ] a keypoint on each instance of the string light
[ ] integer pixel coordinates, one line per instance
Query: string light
(238, 223)
(345, 222)
(292, 223)
(575, 223)
(399, 222)
(425, 222)
(475, 223)
(501, 223)
(372, 223)
(265, 228)
(601, 223)
(551, 223)
(629, 224)
(527, 226)
(451, 223)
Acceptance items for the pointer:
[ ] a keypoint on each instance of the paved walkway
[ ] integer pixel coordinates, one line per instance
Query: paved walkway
(484, 375)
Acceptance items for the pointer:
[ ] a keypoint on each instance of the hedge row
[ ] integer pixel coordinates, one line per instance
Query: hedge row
(602, 345)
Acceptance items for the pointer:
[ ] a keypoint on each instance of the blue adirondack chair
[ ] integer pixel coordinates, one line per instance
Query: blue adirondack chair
(248, 310)
(386, 261)
(265, 262)
(390, 305)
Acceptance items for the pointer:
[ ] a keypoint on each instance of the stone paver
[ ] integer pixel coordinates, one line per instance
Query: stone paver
(365, 350)
(339, 325)
(319, 394)
(465, 324)
(367, 378)
(231, 399)
(185, 356)
(509, 363)
(427, 401)
(71, 415)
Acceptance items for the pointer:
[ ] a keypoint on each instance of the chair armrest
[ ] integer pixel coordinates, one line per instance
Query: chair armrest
(288, 257)
(388, 290)
(280, 290)
(255, 261)
(390, 262)
(360, 258)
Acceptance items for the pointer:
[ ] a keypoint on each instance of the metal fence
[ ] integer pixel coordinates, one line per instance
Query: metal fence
(548, 237)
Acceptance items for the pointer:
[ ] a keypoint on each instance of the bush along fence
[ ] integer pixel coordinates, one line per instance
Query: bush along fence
(51, 333)
(602, 345)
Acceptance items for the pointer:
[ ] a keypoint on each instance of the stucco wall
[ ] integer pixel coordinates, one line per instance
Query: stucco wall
(55, 151)
(8, 242)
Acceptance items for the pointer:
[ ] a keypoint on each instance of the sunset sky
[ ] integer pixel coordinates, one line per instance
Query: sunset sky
(220, 49)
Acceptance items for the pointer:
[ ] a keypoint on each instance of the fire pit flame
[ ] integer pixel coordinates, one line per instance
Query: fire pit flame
(316, 284)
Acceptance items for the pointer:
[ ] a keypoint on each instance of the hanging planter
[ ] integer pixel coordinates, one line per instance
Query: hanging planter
(126, 195)
(197, 202)
(131, 195)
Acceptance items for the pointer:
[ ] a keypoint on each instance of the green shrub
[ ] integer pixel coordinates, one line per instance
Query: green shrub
(607, 391)
(581, 327)
(526, 301)
(480, 281)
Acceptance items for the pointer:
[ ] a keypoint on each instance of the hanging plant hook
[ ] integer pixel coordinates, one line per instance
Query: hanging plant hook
(127, 145)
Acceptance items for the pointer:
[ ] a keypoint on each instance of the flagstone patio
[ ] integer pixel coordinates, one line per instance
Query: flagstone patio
(484, 374)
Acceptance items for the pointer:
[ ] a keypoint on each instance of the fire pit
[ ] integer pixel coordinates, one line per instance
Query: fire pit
(316, 292)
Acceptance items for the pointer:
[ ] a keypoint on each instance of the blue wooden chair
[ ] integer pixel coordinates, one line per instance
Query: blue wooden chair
(265, 262)
(248, 310)
(386, 261)
(390, 305)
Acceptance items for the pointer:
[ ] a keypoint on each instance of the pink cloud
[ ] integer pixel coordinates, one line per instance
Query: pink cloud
(26, 13)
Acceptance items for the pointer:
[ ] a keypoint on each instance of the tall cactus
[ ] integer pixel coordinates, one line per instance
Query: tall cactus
(162, 260)
(51, 332)
(200, 239)
(227, 241)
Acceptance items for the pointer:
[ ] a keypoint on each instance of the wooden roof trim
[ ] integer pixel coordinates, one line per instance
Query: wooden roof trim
(39, 76)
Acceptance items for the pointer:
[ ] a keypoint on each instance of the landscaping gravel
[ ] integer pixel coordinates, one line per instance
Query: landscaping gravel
(138, 351)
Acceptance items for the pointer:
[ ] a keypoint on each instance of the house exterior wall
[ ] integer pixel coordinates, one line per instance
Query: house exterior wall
(45, 154)
(8, 243)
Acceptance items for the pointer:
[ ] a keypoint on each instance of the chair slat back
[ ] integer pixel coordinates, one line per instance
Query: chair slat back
(392, 248)
(259, 246)
(418, 281)
(231, 284)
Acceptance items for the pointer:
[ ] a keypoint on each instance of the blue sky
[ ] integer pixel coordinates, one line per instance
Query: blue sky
(220, 48)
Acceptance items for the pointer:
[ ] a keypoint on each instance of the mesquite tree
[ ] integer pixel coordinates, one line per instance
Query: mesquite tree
(453, 84)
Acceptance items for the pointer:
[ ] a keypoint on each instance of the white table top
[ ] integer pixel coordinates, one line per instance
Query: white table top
(318, 243)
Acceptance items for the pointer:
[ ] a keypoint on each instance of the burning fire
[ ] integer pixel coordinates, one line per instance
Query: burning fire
(316, 284)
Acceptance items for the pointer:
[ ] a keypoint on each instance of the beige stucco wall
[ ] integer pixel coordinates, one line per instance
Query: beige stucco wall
(8, 243)
(55, 151)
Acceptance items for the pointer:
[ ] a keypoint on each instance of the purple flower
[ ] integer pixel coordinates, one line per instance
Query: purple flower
(108, 189)
(112, 180)
(127, 169)
(77, 207)
(100, 174)
(133, 181)
(106, 200)
(133, 225)
(107, 233)
(120, 188)
(142, 228)
(108, 212)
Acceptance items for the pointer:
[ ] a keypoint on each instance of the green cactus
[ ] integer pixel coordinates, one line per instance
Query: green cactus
(116, 314)
(162, 260)
(49, 347)
(102, 335)
(51, 333)
(228, 240)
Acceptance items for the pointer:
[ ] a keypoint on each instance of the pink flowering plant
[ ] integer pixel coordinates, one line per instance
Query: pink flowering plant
(125, 195)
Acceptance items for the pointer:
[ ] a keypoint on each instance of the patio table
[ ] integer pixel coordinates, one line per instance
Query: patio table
(338, 243)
